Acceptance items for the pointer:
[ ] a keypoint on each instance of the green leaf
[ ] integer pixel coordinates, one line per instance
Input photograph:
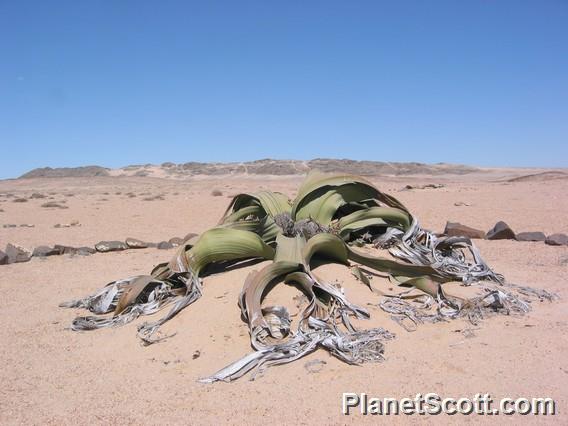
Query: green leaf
(271, 203)
(220, 244)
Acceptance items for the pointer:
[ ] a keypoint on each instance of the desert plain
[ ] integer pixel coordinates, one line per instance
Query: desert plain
(52, 375)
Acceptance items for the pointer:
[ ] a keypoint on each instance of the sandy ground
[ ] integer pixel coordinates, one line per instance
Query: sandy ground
(51, 375)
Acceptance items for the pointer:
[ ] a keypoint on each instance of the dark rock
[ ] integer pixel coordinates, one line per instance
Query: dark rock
(4, 260)
(85, 251)
(531, 236)
(27, 225)
(17, 254)
(189, 236)
(557, 240)
(501, 231)
(64, 249)
(428, 185)
(106, 246)
(37, 195)
(176, 241)
(136, 244)
(455, 229)
(20, 200)
(43, 251)
(165, 245)
(9, 225)
(53, 204)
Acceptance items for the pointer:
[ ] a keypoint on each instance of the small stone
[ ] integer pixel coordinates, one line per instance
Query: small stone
(4, 260)
(557, 240)
(37, 195)
(165, 245)
(20, 200)
(455, 229)
(85, 251)
(461, 203)
(176, 241)
(107, 246)
(53, 204)
(189, 236)
(314, 366)
(27, 225)
(17, 254)
(9, 225)
(501, 231)
(61, 249)
(136, 244)
(64, 249)
(44, 251)
(531, 236)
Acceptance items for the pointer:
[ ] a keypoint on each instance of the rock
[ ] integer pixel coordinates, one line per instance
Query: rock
(501, 231)
(189, 237)
(27, 225)
(176, 241)
(557, 240)
(20, 200)
(165, 245)
(53, 204)
(85, 251)
(9, 225)
(136, 244)
(37, 195)
(455, 229)
(314, 366)
(44, 251)
(531, 236)
(106, 246)
(4, 260)
(461, 203)
(17, 254)
(64, 249)
(428, 185)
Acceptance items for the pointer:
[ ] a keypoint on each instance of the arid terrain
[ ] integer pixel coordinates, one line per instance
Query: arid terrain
(51, 375)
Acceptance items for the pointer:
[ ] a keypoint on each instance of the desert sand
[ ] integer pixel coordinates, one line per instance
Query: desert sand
(52, 375)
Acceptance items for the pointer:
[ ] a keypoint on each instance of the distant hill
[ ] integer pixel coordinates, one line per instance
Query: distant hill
(258, 167)
(48, 172)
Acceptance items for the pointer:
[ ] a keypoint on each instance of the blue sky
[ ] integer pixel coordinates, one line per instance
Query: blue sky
(127, 82)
